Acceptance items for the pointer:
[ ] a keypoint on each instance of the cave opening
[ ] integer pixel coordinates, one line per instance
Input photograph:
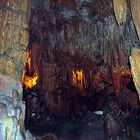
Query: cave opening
(76, 58)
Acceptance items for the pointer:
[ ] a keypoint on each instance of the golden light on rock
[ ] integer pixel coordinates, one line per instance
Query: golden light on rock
(28, 59)
(78, 78)
(29, 81)
(126, 73)
(135, 67)
(120, 10)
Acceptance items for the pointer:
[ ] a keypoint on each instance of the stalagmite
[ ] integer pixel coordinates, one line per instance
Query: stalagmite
(8, 125)
(135, 7)
(135, 67)
(120, 10)
(29, 136)
(16, 110)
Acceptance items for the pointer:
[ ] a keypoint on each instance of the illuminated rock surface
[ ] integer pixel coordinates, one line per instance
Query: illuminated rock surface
(135, 67)
(120, 8)
(135, 5)
(12, 117)
(13, 36)
(8, 124)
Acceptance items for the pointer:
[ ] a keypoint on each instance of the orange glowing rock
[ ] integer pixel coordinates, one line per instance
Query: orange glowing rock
(78, 78)
(126, 72)
(28, 59)
(29, 81)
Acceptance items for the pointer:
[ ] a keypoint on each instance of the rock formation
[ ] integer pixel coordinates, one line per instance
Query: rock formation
(13, 37)
(120, 8)
(75, 50)
(135, 67)
(135, 5)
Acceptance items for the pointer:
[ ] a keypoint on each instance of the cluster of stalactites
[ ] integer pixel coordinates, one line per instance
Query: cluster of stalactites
(121, 9)
(87, 31)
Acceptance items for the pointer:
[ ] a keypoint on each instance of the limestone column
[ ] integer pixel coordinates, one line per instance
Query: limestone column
(13, 36)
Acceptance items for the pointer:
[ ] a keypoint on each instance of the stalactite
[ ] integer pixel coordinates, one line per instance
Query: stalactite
(135, 6)
(97, 40)
(120, 8)
(129, 32)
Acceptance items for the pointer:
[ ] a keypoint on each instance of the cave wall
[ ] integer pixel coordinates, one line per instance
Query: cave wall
(135, 67)
(102, 32)
(13, 37)
(90, 27)
(120, 9)
(87, 28)
(135, 7)
(104, 28)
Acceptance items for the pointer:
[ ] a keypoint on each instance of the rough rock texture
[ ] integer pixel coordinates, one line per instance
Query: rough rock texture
(135, 6)
(120, 10)
(135, 67)
(75, 28)
(13, 36)
(7, 84)
(86, 28)
(122, 6)
(79, 35)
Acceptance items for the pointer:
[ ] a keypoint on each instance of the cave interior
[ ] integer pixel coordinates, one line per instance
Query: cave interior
(77, 60)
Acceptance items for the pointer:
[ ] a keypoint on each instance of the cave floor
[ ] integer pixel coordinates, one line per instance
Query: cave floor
(72, 129)
(90, 127)
(134, 125)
